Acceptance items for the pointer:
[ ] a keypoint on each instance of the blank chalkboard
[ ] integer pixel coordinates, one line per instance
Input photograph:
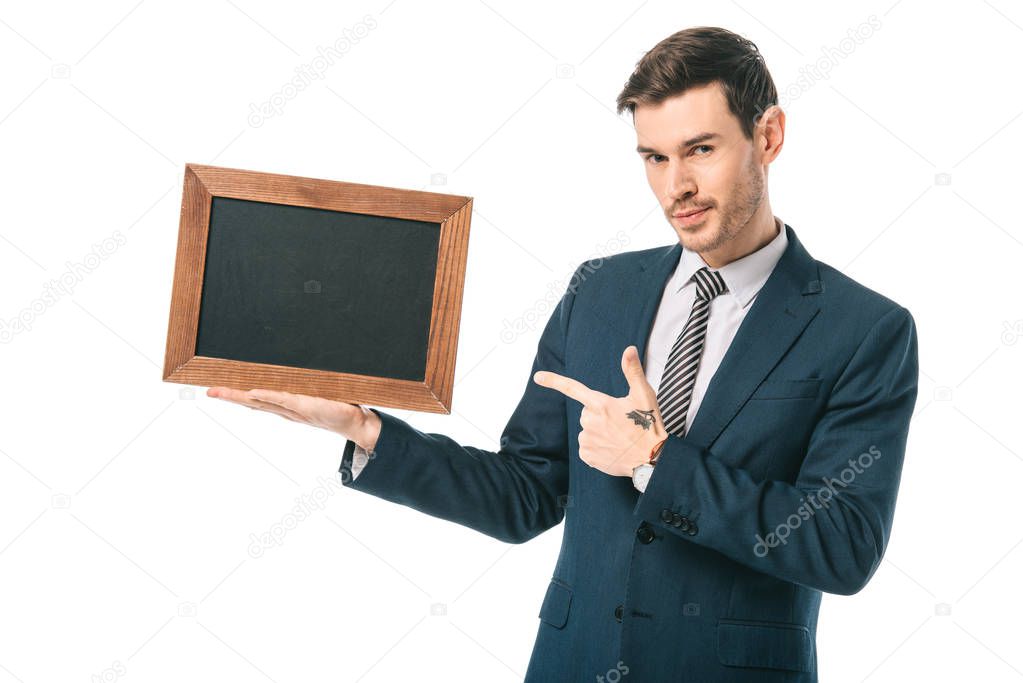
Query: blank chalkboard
(317, 289)
(342, 290)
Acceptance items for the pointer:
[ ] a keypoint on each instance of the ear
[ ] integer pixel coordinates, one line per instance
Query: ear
(769, 134)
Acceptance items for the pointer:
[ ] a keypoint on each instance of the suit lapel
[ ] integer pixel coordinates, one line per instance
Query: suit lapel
(783, 308)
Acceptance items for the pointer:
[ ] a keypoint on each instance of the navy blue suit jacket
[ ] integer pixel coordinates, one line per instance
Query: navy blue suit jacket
(783, 487)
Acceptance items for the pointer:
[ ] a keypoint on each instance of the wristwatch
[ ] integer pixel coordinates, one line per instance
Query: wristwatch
(641, 473)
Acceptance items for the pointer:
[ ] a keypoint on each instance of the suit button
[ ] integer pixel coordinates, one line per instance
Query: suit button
(666, 516)
(676, 520)
(644, 534)
(692, 530)
(619, 611)
(684, 526)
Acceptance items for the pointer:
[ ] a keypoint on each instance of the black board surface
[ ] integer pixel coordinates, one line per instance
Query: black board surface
(317, 289)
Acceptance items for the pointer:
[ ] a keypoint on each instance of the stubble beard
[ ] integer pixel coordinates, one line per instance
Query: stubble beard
(733, 217)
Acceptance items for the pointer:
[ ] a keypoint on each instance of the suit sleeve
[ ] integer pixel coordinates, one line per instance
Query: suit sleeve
(512, 494)
(828, 530)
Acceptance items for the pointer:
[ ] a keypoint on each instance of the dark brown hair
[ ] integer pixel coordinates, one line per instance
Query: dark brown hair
(698, 56)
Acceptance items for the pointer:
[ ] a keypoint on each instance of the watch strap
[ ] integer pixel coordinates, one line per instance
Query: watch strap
(656, 451)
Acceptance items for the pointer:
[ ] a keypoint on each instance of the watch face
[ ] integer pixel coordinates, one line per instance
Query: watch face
(641, 475)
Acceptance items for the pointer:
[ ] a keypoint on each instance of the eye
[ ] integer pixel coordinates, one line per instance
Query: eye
(706, 147)
(653, 158)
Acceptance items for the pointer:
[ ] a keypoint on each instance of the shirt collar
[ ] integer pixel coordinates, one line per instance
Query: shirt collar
(745, 276)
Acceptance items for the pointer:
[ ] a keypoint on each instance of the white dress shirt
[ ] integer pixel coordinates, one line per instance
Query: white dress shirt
(744, 277)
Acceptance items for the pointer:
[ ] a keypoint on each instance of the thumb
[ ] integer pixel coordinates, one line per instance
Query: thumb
(632, 368)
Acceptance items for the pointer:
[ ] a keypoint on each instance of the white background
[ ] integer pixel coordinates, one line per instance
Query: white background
(128, 503)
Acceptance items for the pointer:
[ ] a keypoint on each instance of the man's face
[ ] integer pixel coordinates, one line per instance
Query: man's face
(696, 157)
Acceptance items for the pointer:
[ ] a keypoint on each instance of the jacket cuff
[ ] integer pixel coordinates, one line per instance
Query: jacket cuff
(387, 456)
(669, 502)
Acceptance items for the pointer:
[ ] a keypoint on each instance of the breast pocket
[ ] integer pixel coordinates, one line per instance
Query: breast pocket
(777, 389)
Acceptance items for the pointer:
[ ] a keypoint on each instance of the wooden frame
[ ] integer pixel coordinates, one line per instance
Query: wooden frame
(452, 212)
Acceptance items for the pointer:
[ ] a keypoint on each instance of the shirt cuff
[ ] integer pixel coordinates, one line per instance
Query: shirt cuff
(360, 457)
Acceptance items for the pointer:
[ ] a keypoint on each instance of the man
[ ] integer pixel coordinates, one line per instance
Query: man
(703, 519)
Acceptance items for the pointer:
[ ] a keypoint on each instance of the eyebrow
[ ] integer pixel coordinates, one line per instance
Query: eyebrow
(696, 139)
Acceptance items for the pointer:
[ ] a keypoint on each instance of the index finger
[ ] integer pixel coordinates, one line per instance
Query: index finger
(572, 388)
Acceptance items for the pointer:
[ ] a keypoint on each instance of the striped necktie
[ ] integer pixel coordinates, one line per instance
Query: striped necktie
(680, 370)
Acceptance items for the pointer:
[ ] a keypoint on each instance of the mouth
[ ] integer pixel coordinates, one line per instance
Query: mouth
(692, 216)
(691, 213)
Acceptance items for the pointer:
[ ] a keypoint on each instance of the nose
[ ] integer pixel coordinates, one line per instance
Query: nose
(680, 184)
